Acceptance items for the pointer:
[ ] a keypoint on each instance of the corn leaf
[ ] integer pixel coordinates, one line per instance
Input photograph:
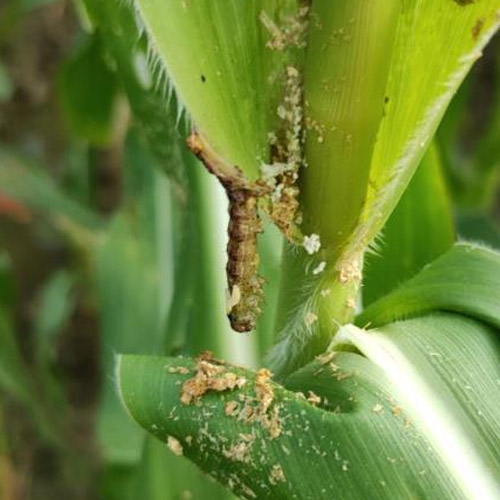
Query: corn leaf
(464, 280)
(436, 44)
(418, 416)
(215, 56)
(426, 68)
(415, 415)
(346, 70)
(444, 370)
(422, 215)
(357, 446)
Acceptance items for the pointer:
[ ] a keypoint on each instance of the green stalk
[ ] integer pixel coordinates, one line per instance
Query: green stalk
(348, 59)
(311, 308)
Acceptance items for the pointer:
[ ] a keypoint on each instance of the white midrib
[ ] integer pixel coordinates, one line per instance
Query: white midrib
(448, 438)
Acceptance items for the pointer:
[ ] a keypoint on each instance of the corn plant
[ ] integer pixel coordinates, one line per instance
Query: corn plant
(341, 344)
(315, 116)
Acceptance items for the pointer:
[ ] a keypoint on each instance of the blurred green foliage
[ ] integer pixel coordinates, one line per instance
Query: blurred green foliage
(88, 93)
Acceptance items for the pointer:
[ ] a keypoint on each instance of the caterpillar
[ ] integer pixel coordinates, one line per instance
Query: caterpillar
(245, 292)
(244, 282)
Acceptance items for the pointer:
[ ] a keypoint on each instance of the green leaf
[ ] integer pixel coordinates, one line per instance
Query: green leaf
(216, 58)
(426, 68)
(444, 370)
(88, 92)
(163, 476)
(128, 290)
(464, 280)
(477, 226)
(346, 70)
(361, 446)
(418, 231)
(436, 44)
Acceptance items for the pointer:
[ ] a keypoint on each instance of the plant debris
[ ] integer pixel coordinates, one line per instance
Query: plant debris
(209, 377)
(319, 268)
(174, 446)
(290, 33)
(258, 408)
(287, 157)
(277, 475)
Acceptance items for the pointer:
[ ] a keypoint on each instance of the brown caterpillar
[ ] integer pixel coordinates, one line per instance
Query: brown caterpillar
(245, 292)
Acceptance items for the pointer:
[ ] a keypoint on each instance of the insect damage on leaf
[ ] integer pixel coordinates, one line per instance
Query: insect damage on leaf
(291, 32)
(210, 375)
(477, 28)
(245, 292)
(286, 147)
(257, 407)
(174, 446)
(287, 142)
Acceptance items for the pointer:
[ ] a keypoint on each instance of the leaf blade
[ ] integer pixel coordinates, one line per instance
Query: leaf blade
(464, 280)
(428, 65)
(418, 232)
(320, 454)
(444, 369)
(221, 65)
